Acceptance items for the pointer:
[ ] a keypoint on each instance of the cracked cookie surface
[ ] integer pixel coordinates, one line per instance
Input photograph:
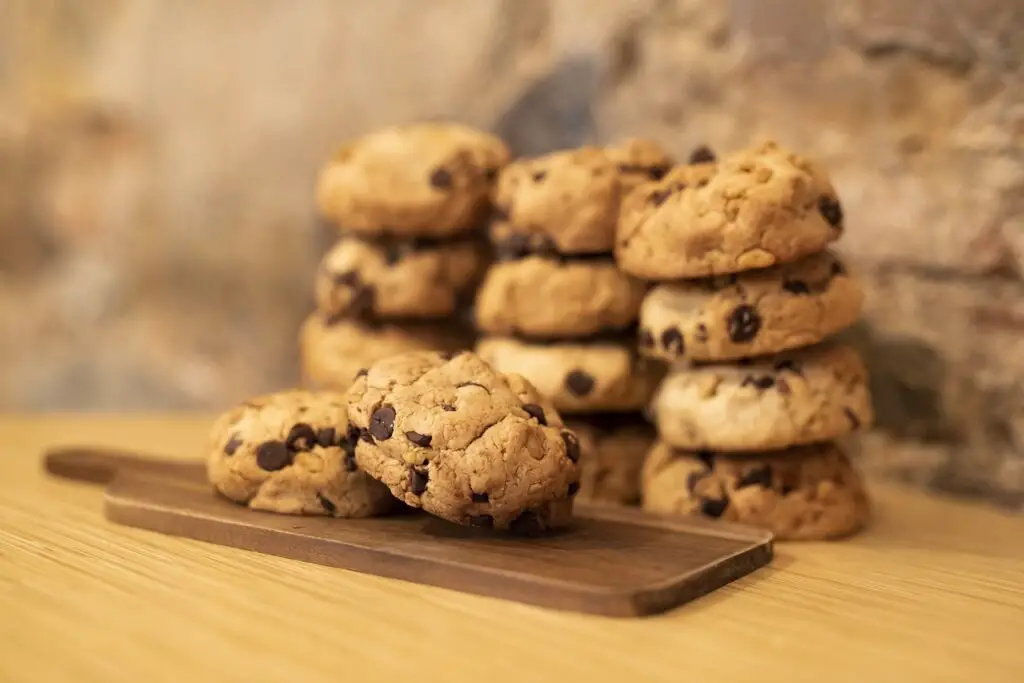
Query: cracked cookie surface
(422, 179)
(752, 313)
(543, 297)
(612, 447)
(451, 435)
(581, 376)
(756, 208)
(333, 350)
(293, 452)
(413, 279)
(801, 493)
(791, 398)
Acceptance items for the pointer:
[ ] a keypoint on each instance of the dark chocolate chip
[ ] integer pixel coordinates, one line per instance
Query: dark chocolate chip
(326, 436)
(645, 339)
(852, 416)
(441, 179)
(526, 523)
(418, 482)
(707, 457)
(692, 478)
(702, 155)
(713, 507)
(536, 412)
(447, 407)
(574, 488)
(702, 332)
(479, 497)
(672, 340)
(796, 287)
(539, 176)
(382, 422)
(658, 197)
(273, 455)
(762, 382)
(572, 446)
(363, 372)
(832, 211)
(347, 279)
(418, 439)
(579, 383)
(782, 386)
(657, 172)
(301, 437)
(761, 476)
(350, 463)
(744, 323)
(232, 445)
(326, 504)
(482, 521)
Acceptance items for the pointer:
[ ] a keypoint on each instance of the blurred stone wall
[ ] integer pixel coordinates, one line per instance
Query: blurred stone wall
(157, 234)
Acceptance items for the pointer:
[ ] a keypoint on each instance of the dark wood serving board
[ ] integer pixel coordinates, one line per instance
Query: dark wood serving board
(612, 561)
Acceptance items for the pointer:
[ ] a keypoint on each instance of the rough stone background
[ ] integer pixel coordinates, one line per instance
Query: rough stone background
(157, 234)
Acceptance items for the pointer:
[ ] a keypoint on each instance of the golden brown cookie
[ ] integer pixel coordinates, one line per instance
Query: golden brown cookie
(639, 161)
(612, 450)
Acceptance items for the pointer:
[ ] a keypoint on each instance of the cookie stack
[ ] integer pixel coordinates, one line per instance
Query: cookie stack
(556, 309)
(408, 202)
(756, 393)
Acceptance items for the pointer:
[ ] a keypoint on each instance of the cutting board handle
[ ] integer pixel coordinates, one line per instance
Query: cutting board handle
(99, 465)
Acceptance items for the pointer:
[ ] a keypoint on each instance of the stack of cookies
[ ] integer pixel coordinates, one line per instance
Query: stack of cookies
(408, 202)
(556, 309)
(749, 294)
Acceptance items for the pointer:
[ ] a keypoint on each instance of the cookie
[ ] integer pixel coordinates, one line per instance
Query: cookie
(452, 436)
(639, 161)
(800, 493)
(333, 350)
(411, 279)
(565, 202)
(756, 208)
(423, 179)
(791, 398)
(293, 453)
(752, 313)
(581, 376)
(612, 447)
(546, 297)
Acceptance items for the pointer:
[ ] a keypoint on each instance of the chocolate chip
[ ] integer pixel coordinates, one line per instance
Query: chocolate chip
(707, 457)
(273, 455)
(536, 412)
(441, 179)
(692, 478)
(744, 323)
(572, 446)
(418, 439)
(526, 523)
(482, 521)
(382, 422)
(761, 476)
(658, 197)
(657, 172)
(837, 269)
(448, 407)
(479, 497)
(702, 155)
(539, 176)
(326, 504)
(363, 372)
(232, 445)
(350, 463)
(303, 433)
(326, 436)
(447, 355)
(574, 488)
(672, 340)
(790, 365)
(393, 253)
(796, 287)
(645, 339)
(579, 383)
(417, 482)
(702, 332)
(713, 507)
(832, 211)
(782, 386)
(347, 279)
(854, 420)
(762, 382)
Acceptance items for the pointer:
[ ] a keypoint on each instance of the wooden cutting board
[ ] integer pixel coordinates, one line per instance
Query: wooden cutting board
(612, 561)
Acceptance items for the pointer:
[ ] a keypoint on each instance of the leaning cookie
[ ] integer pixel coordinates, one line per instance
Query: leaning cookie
(613, 447)
(293, 453)
(752, 313)
(452, 436)
(795, 397)
(800, 493)
(423, 179)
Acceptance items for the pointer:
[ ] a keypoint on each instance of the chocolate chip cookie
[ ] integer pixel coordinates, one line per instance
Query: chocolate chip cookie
(398, 278)
(639, 161)
(759, 207)
(581, 376)
(452, 436)
(613, 447)
(545, 297)
(794, 397)
(294, 453)
(752, 313)
(423, 179)
(565, 202)
(333, 350)
(801, 493)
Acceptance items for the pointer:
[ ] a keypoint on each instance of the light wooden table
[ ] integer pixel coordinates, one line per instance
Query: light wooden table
(933, 592)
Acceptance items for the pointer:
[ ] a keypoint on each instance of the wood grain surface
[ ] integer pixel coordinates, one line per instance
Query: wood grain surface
(933, 591)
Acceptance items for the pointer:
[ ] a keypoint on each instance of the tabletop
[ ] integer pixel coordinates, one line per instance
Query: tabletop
(933, 591)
